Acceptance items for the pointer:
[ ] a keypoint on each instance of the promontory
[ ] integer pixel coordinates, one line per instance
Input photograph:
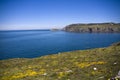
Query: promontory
(94, 28)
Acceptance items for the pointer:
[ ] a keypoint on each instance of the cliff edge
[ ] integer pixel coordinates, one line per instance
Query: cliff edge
(94, 27)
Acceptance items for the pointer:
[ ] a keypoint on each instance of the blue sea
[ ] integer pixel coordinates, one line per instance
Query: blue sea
(35, 43)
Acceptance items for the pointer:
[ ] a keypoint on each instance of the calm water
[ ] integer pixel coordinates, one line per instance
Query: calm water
(29, 44)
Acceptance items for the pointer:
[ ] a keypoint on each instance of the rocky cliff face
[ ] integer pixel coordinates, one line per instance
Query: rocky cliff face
(94, 27)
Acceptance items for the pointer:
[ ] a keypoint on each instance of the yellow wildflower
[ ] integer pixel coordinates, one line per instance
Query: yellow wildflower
(87, 64)
(61, 74)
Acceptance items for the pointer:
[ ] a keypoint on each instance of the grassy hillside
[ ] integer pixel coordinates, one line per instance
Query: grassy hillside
(94, 27)
(92, 64)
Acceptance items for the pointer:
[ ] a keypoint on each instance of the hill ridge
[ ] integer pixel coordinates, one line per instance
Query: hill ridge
(94, 27)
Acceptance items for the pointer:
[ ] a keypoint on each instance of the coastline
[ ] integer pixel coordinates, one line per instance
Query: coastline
(94, 28)
(98, 63)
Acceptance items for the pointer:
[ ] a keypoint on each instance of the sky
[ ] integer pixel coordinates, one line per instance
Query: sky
(47, 14)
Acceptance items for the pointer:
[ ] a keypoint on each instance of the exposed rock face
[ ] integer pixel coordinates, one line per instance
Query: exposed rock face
(94, 27)
(116, 44)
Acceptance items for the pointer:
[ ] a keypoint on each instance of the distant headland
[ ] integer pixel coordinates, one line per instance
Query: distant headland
(94, 28)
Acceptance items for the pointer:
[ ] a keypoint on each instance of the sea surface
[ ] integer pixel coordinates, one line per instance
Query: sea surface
(35, 43)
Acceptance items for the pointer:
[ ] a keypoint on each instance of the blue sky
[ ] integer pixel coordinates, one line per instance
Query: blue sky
(45, 14)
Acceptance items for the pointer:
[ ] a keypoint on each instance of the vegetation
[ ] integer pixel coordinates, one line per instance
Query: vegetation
(94, 27)
(92, 64)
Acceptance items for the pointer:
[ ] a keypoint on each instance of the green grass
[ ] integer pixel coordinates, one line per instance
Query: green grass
(75, 65)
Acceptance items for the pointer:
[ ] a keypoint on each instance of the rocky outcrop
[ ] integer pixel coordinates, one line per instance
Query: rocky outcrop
(94, 27)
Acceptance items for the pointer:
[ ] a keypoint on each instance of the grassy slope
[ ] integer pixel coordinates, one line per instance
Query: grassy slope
(76, 65)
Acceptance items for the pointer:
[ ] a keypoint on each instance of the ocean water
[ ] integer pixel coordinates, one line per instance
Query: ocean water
(35, 43)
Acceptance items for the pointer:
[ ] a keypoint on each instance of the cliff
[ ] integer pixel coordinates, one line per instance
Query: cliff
(91, 64)
(94, 27)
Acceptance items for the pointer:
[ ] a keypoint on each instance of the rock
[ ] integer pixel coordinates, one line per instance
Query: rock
(118, 76)
(116, 44)
(45, 74)
(69, 71)
(115, 63)
(95, 68)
